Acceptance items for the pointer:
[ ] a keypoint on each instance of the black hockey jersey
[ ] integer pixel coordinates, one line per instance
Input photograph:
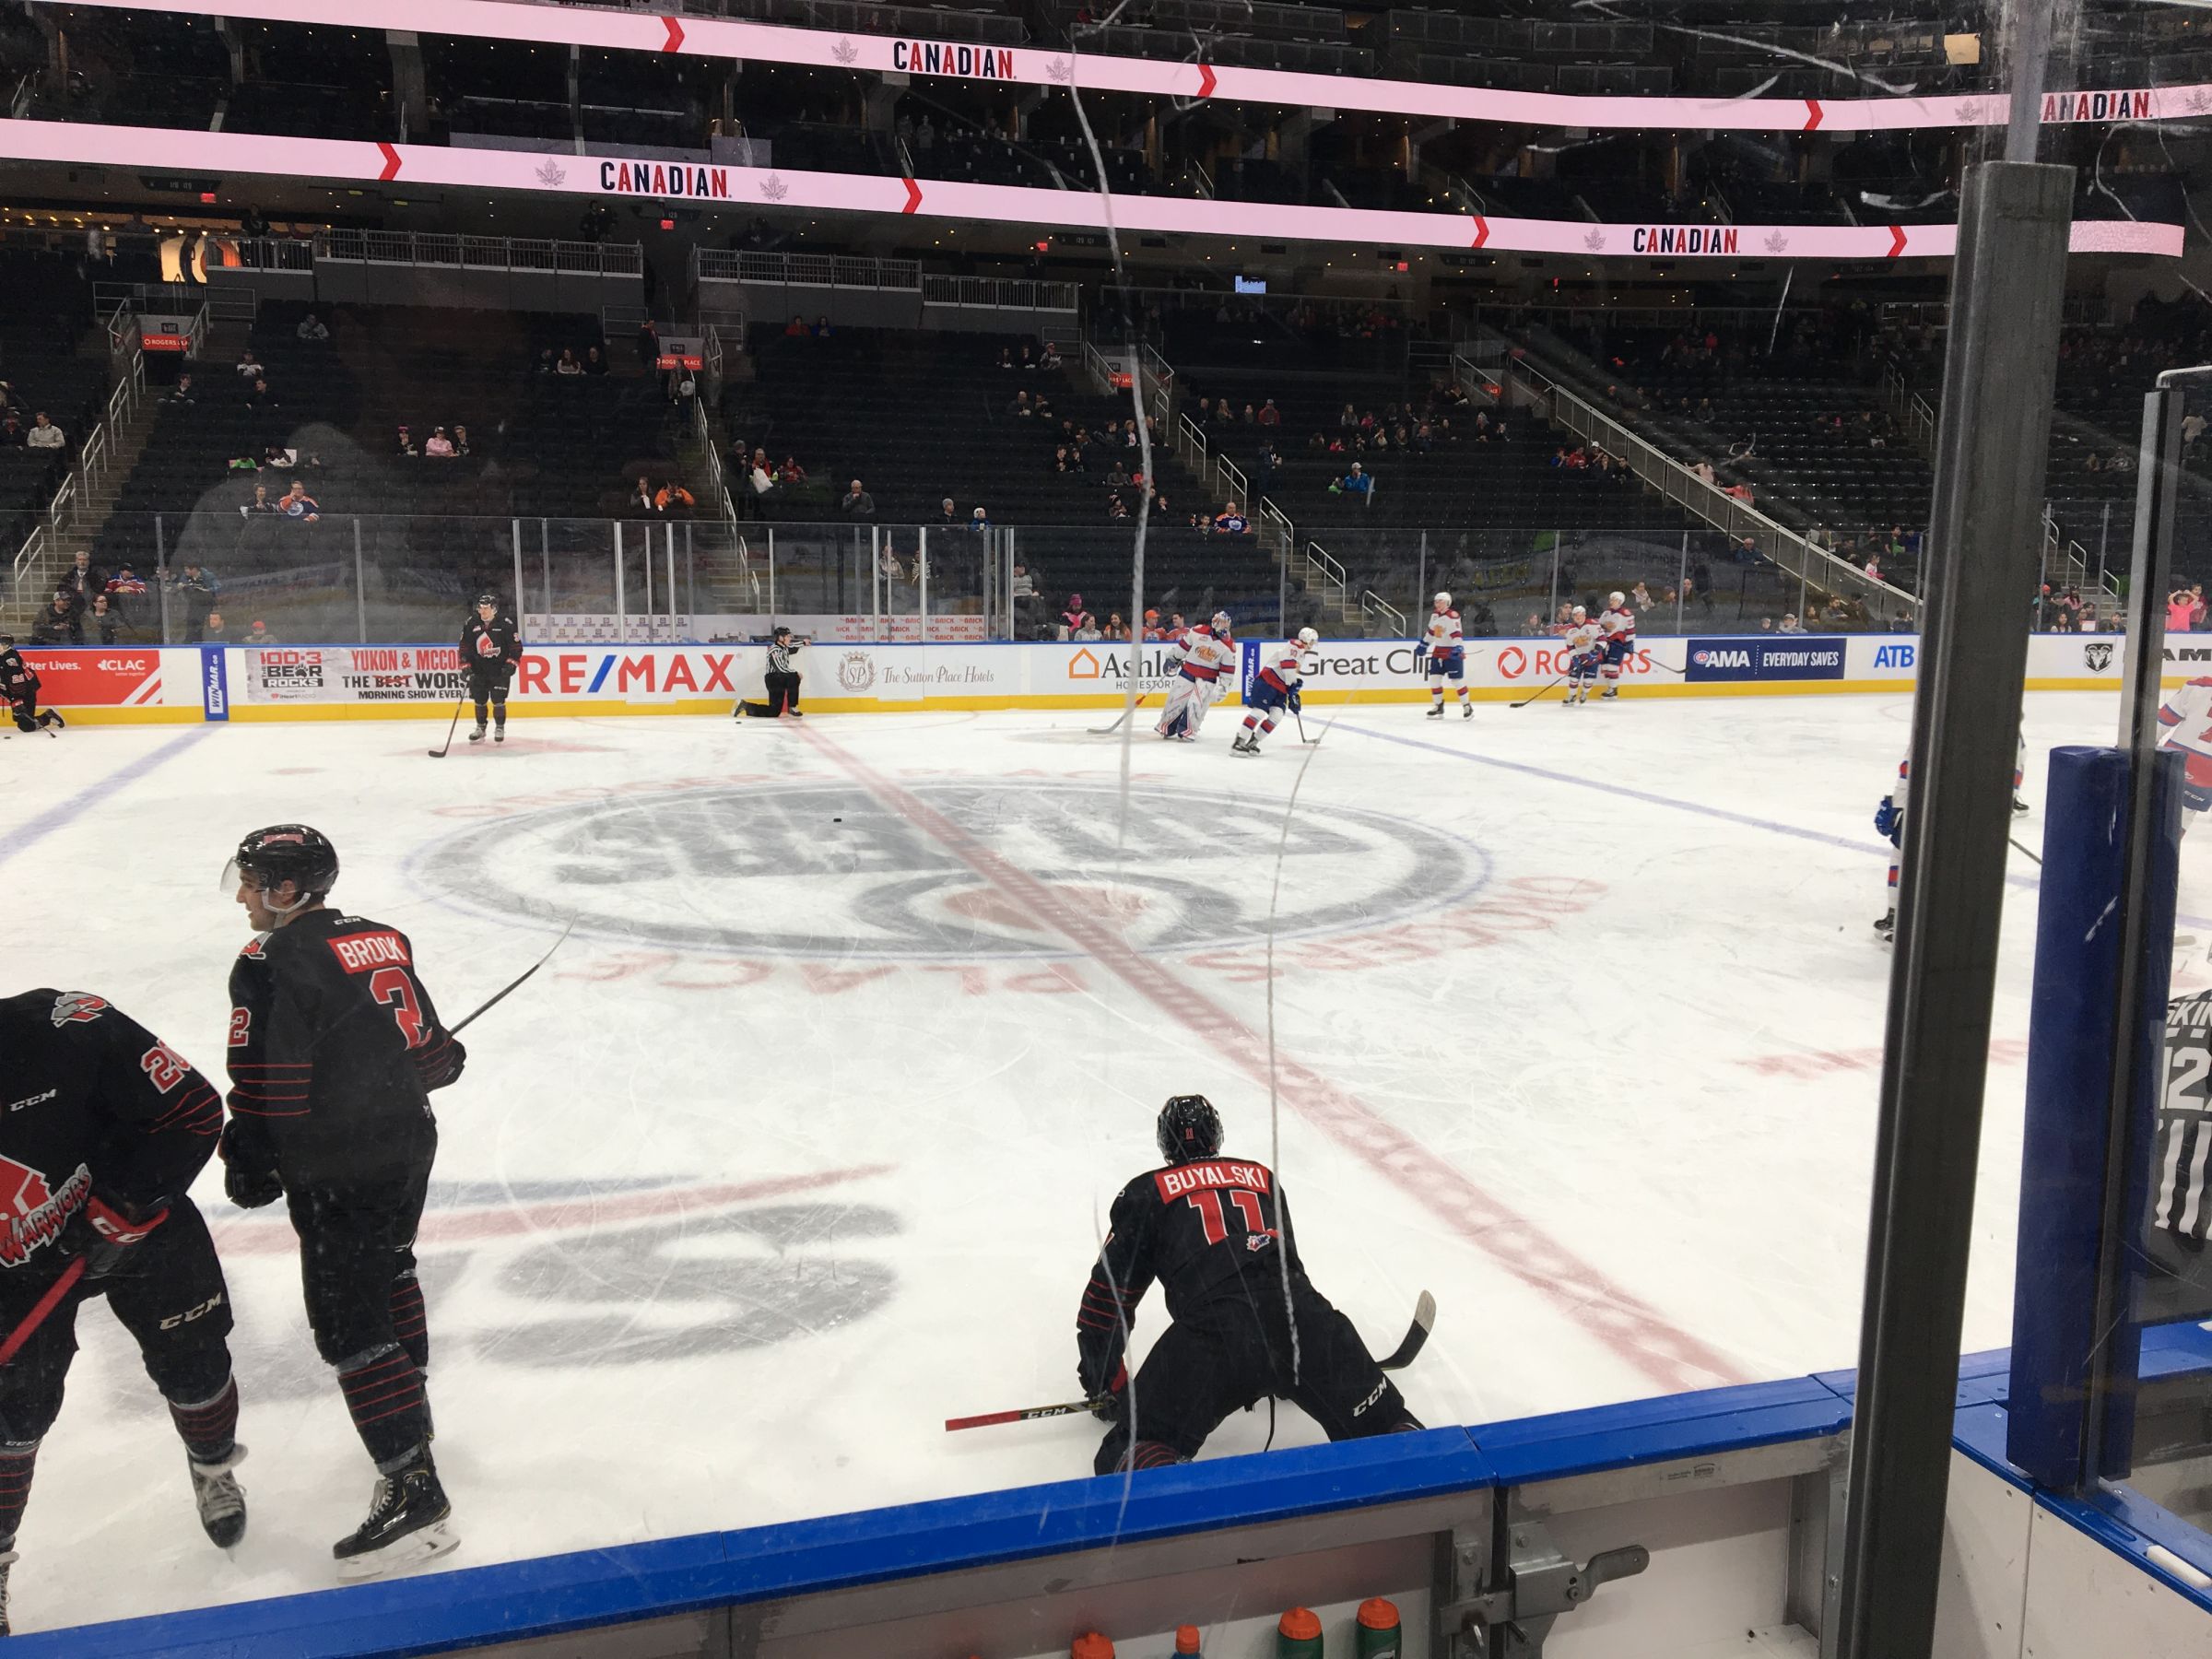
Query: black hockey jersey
(335, 1047)
(1199, 1228)
(494, 646)
(2181, 1175)
(18, 678)
(89, 1098)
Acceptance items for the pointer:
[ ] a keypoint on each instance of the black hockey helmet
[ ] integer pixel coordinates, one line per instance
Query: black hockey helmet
(485, 599)
(1189, 1127)
(285, 852)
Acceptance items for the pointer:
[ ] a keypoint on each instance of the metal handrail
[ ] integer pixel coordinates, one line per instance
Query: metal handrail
(1227, 472)
(1191, 443)
(999, 293)
(27, 558)
(1326, 573)
(480, 253)
(804, 270)
(1372, 604)
(1676, 481)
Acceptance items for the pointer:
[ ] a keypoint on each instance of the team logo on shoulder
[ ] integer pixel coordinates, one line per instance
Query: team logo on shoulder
(256, 947)
(75, 1008)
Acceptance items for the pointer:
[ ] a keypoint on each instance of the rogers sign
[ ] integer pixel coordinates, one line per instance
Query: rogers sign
(1548, 662)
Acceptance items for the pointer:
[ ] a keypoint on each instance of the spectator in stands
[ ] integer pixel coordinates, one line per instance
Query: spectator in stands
(1088, 629)
(195, 588)
(439, 445)
(1005, 357)
(298, 506)
(311, 330)
(545, 359)
(822, 330)
(1357, 482)
(1049, 363)
(594, 362)
(790, 472)
(672, 497)
(11, 432)
(43, 434)
(1061, 464)
(949, 516)
(1704, 471)
(796, 328)
(1790, 623)
(214, 632)
(1152, 630)
(1203, 523)
(460, 441)
(2181, 616)
(639, 501)
(649, 344)
(259, 504)
(276, 455)
(258, 635)
(1117, 475)
(978, 521)
(1874, 566)
(1269, 415)
(245, 463)
(261, 398)
(2193, 428)
(57, 622)
(1116, 508)
(1534, 629)
(1230, 521)
(756, 473)
(249, 366)
(1020, 407)
(103, 618)
(566, 362)
(1640, 598)
(82, 581)
(1348, 418)
(858, 503)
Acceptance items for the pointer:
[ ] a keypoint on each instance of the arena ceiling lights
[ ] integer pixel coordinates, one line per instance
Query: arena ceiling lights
(527, 21)
(607, 175)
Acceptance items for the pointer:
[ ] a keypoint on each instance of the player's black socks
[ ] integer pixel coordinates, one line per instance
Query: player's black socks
(18, 1458)
(210, 1428)
(411, 1320)
(390, 1407)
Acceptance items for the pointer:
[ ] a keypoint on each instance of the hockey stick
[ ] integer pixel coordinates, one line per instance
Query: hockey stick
(1417, 1336)
(514, 986)
(2023, 852)
(1068, 1408)
(41, 1309)
(1120, 720)
(438, 754)
(1403, 1355)
(1301, 728)
(1537, 693)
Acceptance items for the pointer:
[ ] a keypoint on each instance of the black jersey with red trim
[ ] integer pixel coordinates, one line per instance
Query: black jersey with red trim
(493, 647)
(1199, 1230)
(335, 1047)
(90, 1098)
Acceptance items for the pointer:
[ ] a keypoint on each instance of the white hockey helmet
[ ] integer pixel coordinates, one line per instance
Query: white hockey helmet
(1220, 622)
(1308, 637)
(1443, 602)
(1578, 614)
(1616, 598)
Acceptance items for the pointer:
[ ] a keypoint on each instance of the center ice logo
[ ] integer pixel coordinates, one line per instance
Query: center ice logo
(824, 870)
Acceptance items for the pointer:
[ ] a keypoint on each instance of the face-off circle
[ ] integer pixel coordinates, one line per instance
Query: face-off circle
(825, 870)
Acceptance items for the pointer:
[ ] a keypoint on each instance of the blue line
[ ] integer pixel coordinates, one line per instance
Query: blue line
(61, 815)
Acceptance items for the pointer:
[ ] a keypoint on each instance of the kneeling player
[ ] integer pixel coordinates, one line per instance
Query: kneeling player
(1207, 654)
(105, 1127)
(1276, 687)
(1446, 657)
(1585, 654)
(19, 687)
(1215, 1232)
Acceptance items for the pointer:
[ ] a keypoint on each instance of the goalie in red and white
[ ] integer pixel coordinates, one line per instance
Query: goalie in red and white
(2187, 720)
(1205, 665)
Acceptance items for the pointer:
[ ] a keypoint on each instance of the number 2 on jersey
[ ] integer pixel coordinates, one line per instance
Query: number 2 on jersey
(1208, 1206)
(392, 987)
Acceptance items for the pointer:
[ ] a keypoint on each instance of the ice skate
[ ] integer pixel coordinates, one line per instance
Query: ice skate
(1885, 927)
(221, 1501)
(477, 736)
(2019, 804)
(498, 732)
(1466, 711)
(408, 1523)
(1436, 711)
(53, 722)
(1245, 744)
(7, 1560)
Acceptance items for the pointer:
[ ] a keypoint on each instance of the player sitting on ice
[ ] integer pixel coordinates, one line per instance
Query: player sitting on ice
(1203, 654)
(1276, 687)
(2187, 720)
(19, 686)
(1446, 654)
(1245, 1322)
(1583, 644)
(1618, 625)
(1889, 820)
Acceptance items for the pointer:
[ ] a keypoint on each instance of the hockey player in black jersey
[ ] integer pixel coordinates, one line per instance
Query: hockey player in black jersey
(335, 1047)
(490, 651)
(102, 1127)
(1246, 1323)
(19, 687)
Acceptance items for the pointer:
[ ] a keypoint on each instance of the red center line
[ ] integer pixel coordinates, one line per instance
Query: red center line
(1640, 1333)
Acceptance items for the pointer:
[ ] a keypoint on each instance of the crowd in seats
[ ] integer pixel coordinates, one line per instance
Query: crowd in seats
(53, 381)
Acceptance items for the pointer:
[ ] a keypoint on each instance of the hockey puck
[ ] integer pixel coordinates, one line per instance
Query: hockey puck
(836, 821)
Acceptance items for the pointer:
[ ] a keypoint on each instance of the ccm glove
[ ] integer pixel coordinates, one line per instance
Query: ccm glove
(104, 1233)
(249, 1178)
(1108, 1404)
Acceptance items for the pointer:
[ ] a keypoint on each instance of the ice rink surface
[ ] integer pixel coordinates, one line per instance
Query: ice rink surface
(804, 1140)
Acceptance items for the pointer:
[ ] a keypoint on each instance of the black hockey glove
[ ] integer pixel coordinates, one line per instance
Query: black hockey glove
(1297, 700)
(249, 1178)
(1107, 1404)
(105, 1233)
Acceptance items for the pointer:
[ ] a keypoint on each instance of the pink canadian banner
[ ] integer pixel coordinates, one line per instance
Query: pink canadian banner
(753, 188)
(1043, 66)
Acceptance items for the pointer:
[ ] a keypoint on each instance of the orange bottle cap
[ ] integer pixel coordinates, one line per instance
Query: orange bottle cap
(1186, 1638)
(1300, 1625)
(1375, 1614)
(1091, 1645)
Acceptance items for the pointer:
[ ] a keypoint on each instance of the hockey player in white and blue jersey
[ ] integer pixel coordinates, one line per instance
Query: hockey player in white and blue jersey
(1274, 687)
(1206, 653)
(1442, 654)
(1583, 647)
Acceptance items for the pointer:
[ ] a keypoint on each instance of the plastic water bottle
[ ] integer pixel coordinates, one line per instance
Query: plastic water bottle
(1380, 1636)
(1298, 1635)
